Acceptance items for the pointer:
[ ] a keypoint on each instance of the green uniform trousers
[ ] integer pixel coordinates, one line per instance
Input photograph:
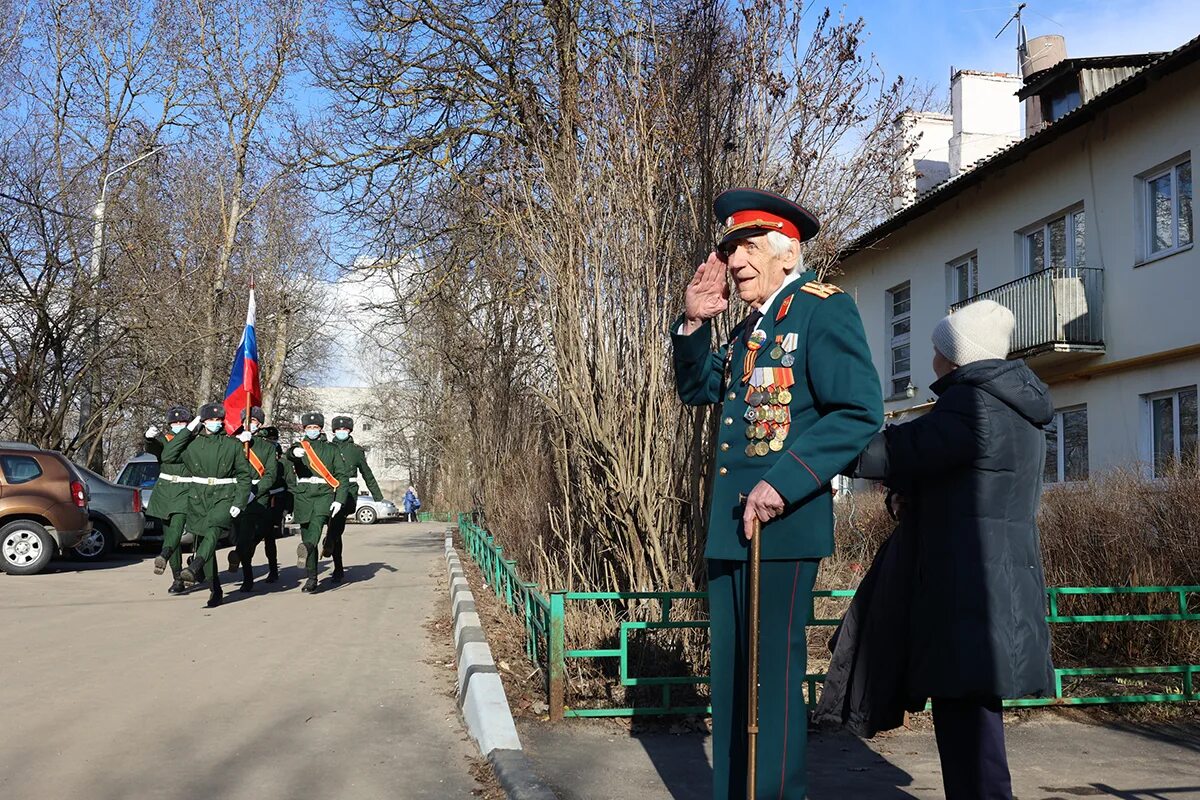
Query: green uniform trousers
(206, 551)
(251, 527)
(786, 598)
(310, 534)
(173, 527)
(333, 533)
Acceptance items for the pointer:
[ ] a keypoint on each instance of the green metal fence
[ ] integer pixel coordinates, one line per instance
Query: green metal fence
(436, 516)
(544, 618)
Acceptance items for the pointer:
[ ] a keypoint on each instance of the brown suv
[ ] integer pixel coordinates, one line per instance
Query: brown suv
(43, 507)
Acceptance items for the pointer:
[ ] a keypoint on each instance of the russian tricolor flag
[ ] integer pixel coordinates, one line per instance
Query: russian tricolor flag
(244, 391)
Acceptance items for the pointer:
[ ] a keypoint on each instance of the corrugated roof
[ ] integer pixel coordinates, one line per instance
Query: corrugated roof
(1165, 64)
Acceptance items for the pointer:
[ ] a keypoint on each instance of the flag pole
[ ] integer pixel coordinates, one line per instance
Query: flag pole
(246, 385)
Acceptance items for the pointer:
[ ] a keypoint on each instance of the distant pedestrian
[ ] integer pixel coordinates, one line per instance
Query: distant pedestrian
(970, 476)
(412, 503)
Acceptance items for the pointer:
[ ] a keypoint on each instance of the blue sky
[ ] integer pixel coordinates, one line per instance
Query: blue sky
(923, 39)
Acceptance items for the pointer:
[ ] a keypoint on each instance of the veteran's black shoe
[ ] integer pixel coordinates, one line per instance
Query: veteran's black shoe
(234, 560)
(176, 587)
(310, 585)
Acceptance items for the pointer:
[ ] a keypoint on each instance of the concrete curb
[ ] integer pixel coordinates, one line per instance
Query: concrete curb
(481, 694)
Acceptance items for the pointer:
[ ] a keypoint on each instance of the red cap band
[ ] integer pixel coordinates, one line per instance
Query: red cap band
(762, 219)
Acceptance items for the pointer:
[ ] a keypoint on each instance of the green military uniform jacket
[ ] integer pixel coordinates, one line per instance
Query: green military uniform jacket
(268, 455)
(312, 499)
(211, 456)
(836, 406)
(169, 496)
(354, 461)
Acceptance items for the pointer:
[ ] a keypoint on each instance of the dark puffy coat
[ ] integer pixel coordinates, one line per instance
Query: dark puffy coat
(971, 473)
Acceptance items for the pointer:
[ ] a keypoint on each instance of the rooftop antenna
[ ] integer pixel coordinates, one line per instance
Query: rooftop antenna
(1022, 44)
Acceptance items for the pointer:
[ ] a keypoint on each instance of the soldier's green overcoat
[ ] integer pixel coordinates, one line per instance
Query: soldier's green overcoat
(312, 500)
(211, 456)
(353, 462)
(168, 497)
(268, 456)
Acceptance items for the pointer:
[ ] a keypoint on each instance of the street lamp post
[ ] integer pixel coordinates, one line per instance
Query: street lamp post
(91, 398)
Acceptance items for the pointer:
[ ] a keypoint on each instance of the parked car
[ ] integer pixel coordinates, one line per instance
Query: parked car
(369, 511)
(116, 515)
(43, 507)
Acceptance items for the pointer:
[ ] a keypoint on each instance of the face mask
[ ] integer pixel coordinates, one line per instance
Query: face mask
(312, 434)
(214, 425)
(342, 435)
(176, 427)
(254, 426)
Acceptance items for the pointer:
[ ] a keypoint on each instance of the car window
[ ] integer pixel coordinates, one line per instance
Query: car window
(142, 474)
(19, 469)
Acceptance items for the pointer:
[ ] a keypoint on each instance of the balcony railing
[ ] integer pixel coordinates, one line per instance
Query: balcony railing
(1058, 309)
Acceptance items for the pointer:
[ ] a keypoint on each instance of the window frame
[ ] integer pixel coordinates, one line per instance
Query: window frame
(1059, 424)
(1042, 226)
(1148, 442)
(4, 468)
(972, 261)
(895, 341)
(1146, 210)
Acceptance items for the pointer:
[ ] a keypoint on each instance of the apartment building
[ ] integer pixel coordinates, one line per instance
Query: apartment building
(1065, 194)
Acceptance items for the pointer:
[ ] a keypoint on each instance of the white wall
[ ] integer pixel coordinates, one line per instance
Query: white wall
(1148, 308)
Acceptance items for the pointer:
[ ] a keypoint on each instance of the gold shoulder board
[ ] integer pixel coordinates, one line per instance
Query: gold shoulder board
(821, 290)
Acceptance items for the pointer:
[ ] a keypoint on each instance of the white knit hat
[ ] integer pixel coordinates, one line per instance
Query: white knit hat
(976, 332)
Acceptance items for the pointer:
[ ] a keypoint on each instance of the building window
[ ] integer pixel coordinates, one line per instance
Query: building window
(1168, 204)
(366, 427)
(1056, 243)
(963, 276)
(1171, 418)
(899, 305)
(1067, 446)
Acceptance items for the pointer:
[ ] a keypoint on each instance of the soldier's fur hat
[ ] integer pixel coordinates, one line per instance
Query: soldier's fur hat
(212, 411)
(178, 414)
(257, 413)
(343, 422)
(313, 418)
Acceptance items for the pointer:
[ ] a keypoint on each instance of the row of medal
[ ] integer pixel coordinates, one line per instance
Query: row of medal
(768, 416)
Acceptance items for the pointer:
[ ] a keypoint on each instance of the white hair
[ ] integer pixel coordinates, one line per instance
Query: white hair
(781, 246)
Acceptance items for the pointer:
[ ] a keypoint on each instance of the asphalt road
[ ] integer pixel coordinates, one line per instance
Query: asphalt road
(115, 689)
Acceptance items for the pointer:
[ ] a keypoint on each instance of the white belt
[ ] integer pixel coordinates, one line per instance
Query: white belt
(280, 490)
(313, 479)
(163, 476)
(254, 482)
(211, 481)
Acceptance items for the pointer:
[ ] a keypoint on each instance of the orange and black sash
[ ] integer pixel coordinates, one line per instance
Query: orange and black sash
(170, 436)
(256, 462)
(318, 466)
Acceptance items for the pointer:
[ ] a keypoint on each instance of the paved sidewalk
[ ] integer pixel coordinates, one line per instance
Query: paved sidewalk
(1051, 759)
(116, 690)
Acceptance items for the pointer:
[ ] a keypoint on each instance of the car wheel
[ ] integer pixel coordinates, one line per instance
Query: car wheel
(96, 546)
(366, 515)
(25, 547)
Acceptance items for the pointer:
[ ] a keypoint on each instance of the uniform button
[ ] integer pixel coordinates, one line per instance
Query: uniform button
(724, 471)
(724, 445)
(733, 395)
(729, 420)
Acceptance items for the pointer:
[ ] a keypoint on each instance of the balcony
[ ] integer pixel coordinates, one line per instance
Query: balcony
(1059, 314)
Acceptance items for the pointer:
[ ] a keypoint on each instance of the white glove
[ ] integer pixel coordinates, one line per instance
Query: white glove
(234, 511)
(194, 424)
(298, 452)
(152, 432)
(335, 508)
(245, 437)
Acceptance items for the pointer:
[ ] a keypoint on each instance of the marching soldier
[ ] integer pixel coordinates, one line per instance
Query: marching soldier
(255, 522)
(320, 491)
(799, 400)
(168, 501)
(218, 487)
(353, 460)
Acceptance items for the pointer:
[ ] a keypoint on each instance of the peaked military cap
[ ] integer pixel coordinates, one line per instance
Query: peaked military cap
(212, 411)
(178, 414)
(752, 212)
(257, 413)
(343, 422)
(313, 418)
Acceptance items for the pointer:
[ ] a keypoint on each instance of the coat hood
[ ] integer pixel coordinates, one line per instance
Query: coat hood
(1011, 382)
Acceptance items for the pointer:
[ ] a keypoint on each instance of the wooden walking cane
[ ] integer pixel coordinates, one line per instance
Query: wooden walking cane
(752, 678)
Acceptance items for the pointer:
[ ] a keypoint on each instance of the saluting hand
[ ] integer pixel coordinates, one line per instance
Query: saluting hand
(708, 293)
(152, 432)
(763, 504)
(194, 424)
(298, 452)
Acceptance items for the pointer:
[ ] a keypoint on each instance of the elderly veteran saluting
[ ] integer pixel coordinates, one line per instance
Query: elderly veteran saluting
(799, 399)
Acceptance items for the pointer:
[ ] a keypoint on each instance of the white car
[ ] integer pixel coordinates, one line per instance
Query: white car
(369, 511)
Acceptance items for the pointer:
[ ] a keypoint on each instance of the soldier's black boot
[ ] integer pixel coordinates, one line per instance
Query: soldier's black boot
(338, 572)
(215, 594)
(310, 585)
(176, 586)
(160, 562)
(193, 572)
(325, 551)
(272, 572)
(247, 578)
(235, 558)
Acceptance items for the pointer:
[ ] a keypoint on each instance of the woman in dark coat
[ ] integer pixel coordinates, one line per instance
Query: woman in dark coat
(970, 477)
